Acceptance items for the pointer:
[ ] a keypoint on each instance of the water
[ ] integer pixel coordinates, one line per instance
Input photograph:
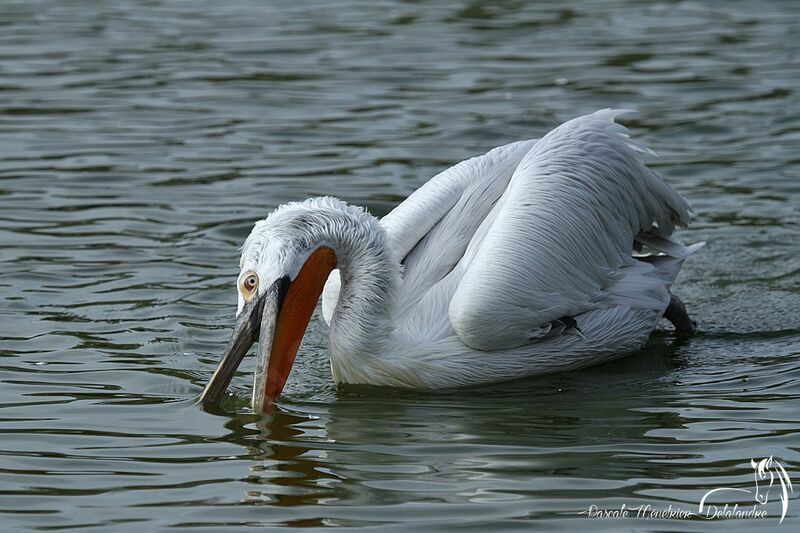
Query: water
(140, 140)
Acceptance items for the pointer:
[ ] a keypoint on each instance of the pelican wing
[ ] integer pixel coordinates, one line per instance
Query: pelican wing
(430, 231)
(559, 240)
(412, 220)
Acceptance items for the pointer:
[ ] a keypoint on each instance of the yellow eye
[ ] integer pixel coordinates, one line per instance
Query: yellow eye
(249, 285)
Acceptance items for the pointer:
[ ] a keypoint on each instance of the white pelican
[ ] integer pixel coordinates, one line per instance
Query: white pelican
(522, 261)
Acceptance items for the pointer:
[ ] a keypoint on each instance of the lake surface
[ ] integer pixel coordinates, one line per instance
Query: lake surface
(139, 141)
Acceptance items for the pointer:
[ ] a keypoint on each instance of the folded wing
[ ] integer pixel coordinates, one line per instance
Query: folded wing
(561, 235)
(432, 228)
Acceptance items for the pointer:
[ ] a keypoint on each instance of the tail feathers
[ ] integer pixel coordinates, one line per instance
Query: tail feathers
(645, 284)
(642, 285)
(668, 245)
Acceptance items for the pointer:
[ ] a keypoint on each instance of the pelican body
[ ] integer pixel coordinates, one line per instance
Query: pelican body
(539, 256)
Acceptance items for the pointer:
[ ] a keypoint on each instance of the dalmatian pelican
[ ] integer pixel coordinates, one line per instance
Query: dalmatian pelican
(539, 256)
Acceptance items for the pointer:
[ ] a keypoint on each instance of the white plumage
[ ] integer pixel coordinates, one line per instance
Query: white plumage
(515, 263)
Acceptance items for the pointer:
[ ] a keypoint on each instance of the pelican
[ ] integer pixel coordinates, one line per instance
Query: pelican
(539, 256)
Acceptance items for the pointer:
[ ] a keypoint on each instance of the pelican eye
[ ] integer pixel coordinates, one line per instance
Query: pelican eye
(249, 285)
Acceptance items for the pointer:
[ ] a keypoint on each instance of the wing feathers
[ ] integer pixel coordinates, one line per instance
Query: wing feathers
(432, 229)
(411, 221)
(564, 232)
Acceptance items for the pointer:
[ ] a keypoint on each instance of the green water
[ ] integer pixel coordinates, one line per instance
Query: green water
(139, 141)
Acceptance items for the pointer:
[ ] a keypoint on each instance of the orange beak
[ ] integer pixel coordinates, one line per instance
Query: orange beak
(278, 320)
(293, 318)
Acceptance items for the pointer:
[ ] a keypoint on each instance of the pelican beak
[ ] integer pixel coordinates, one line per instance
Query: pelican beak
(249, 327)
(281, 338)
(278, 320)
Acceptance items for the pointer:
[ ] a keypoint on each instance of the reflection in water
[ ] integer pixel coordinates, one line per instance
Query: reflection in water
(288, 468)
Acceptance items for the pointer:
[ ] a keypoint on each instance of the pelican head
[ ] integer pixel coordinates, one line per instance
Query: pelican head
(286, 261)
(283, 269)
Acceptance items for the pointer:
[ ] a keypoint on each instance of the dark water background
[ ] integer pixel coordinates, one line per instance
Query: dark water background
(140, 140)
